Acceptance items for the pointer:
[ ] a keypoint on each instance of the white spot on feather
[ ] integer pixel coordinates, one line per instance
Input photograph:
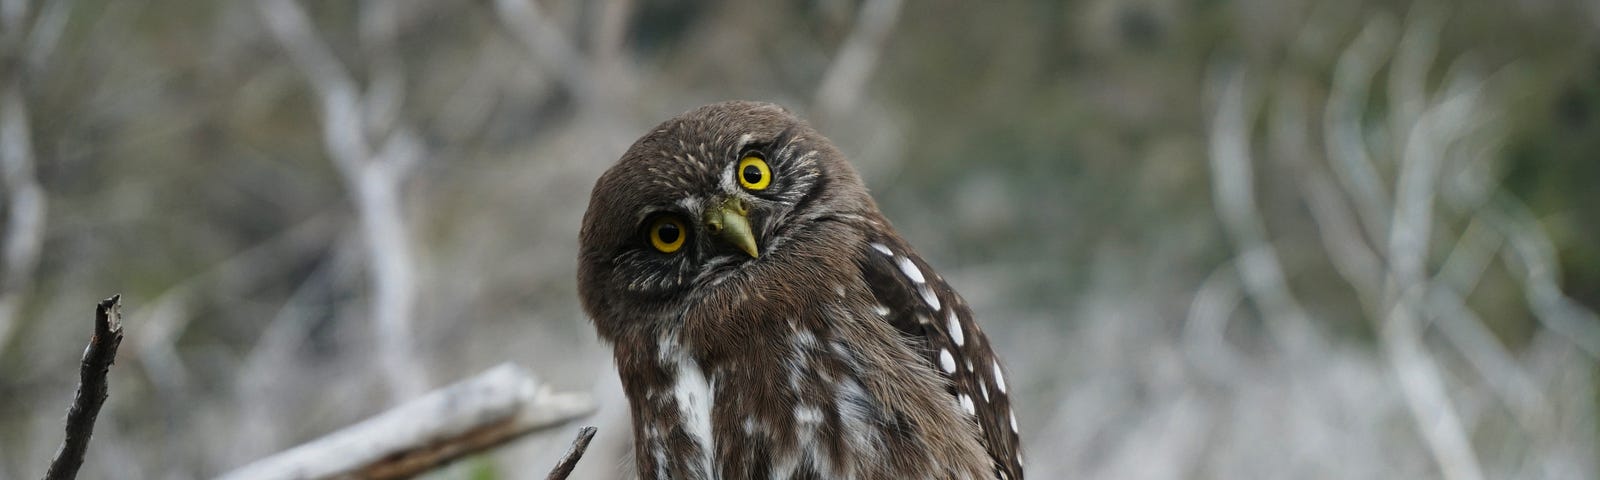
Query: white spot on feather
(928, 296)
(881, 310)
(807, 414)
(744, 139)
(966, 405)
(956, 335)
(1014, 430)
(999, 378)
(804, 338)
(855, 418)
(881, 248)
(693, 397)
(910, 269)
(947, 361)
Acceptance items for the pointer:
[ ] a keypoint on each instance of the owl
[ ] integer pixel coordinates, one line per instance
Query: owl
(768, 322)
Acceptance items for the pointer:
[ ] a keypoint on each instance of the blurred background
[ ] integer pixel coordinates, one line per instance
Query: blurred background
(1211, 239)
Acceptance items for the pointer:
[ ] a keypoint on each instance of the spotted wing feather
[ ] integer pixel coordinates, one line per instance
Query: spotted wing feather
(941, 327)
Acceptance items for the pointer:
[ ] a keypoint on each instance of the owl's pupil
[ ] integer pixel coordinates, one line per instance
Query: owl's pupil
(668, 233)
(752, 174)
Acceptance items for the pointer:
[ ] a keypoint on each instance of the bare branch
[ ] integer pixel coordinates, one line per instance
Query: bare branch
(1347, 146)
(549, 46)
(1423, 388)
(569, 460)
(92, 389)
(1404, 308)
(1408, 75)
(1232, 187)
(847, 76)
(1354, 259)
(373, 174)
(1532, 258)
(25, 199)
(1509, 380)
(1204, 330)
(1340, 230)
(469, 417)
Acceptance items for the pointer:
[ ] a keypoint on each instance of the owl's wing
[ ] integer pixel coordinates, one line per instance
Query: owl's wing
(919, 303)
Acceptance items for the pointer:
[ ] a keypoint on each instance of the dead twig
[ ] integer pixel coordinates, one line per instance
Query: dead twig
(92, 389)
(574, 453)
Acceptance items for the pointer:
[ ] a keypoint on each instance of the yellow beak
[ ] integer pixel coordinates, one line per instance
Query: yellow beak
(730, 222)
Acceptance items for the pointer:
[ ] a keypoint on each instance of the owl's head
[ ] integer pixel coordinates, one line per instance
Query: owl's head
(700, 198)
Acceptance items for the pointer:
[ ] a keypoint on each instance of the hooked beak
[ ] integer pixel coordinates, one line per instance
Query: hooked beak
(730, 222)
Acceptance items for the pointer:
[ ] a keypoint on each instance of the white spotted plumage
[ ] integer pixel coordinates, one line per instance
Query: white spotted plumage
(938, 315)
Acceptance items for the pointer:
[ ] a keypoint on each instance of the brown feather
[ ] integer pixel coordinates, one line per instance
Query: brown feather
(786, 364)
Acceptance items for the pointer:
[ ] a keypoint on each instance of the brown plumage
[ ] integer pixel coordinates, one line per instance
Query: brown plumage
(768, 322)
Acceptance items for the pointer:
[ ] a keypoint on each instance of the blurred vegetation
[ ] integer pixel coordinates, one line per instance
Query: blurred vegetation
(1051, 158)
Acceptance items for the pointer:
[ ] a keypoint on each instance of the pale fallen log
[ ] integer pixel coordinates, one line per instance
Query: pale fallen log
(468, 417)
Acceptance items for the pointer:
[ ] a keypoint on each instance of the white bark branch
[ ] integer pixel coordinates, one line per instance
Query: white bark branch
(28, 45)
(1343, 129)
(374, 176)
(469, 417)
(1532, 259)
(1234, 193)
(1402, 306)
(25, 205)
(548, 45)
(847, 76)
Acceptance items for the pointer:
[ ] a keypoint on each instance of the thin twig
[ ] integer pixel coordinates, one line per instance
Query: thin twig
(574, 453)
(92, 389)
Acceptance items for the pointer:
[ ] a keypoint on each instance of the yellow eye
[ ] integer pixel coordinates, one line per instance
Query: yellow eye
(667, 234)
(754, 174)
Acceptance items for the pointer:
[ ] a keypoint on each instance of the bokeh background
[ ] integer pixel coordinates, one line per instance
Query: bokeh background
(1211, 238)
